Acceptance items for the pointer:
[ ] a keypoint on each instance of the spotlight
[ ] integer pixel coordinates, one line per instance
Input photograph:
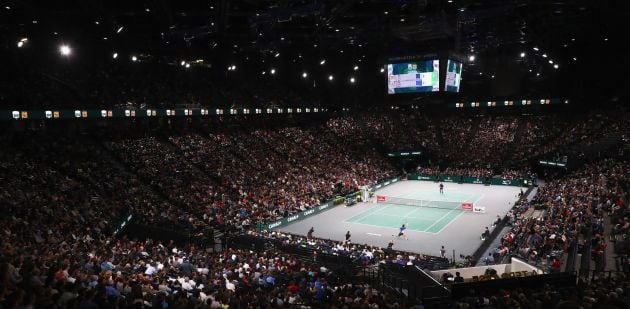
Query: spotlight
(187, 65)
(356, 67)
(20, 44)
(65, 50)
(523, 55)
(555, 66)
(352, 80)
(330, 77)
(535, 48)
(277, 55)
(134, 58)
(544, 55)
(273, 71)
(119, 30)
(115, 55)
(183, 63)
(322, 62)
(382, 70)
(304, 75)
(471, 58)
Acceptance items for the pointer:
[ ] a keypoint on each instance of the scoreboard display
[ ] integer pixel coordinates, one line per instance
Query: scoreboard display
(453, 76)
(410, 77)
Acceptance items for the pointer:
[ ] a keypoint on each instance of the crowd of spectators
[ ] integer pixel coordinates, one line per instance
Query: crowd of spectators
(488, 143)
(599, 293)
(358, 254)
(58, 248)
(242, 178)
(63, 198)
(457, 133)
(477, 172)
(556, 137)
(573, 208)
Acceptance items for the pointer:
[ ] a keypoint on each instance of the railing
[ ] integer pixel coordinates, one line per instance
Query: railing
(405, 285)
(590, 275)
(565, 279)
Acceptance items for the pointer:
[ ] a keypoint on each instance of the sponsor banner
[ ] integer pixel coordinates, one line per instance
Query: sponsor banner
(422, 177)
(275, 224)
(479, 209)
(505, 182)
(467, 206)
(297, 217)
(396, 154)
(475, 180)
(384, 184)
(380, 198)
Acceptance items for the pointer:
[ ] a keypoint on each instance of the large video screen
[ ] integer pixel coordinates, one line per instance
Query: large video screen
(419, 76)
(453, 76)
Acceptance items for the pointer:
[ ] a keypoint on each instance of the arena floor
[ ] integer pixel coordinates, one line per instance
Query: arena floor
(428, 228)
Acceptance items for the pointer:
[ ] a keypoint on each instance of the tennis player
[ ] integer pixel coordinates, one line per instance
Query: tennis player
(441, 188)
(402, 231)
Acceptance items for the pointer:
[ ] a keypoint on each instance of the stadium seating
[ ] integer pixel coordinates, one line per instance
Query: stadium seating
(66, 194)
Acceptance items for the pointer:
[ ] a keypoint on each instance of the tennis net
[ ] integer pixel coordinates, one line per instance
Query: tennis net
(451, 205)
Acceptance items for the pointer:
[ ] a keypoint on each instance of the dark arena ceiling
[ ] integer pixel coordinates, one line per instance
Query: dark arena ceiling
(563, 48)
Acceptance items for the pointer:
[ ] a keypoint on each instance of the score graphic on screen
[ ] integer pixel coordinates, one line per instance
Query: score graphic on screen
(453, 76)
(419, 76)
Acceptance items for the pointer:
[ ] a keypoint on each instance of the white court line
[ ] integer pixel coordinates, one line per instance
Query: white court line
(455, 219)
(438, 220)
(397, 216)
(412, 211)
(391, 228)
(367, 213)
(374, 234)
(449, 223)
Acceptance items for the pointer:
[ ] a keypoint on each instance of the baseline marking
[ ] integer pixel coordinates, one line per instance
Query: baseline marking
(367, 213)
(438, 220)
(374, 234)
(454, 219)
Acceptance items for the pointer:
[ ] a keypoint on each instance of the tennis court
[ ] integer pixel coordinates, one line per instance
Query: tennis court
(429, 228)
(432, 214)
